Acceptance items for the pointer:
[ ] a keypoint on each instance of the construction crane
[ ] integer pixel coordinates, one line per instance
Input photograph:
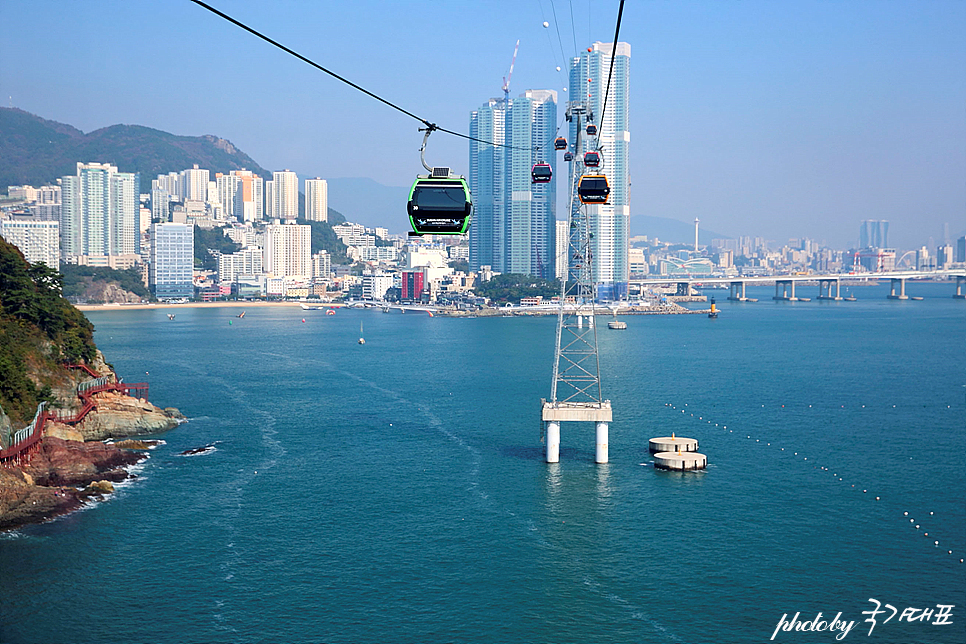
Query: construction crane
(506, 79)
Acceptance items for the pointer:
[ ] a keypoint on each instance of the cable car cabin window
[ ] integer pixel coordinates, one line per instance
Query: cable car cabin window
(450, 199)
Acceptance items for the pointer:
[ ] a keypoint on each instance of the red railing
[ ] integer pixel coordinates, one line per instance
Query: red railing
(21, 449)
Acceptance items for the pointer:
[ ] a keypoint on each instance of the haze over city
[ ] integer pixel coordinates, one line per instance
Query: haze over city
(779, 120)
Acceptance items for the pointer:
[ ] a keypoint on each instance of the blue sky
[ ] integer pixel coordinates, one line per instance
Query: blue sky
(776, 119)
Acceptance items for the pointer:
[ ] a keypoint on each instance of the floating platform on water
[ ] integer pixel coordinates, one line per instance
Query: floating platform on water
(680, 461)
(672, 444)
(616, 324)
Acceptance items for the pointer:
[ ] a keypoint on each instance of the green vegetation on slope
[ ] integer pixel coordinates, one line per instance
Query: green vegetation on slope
(36, 151)
(324, 238)
(76, 279)
(512, 287)
(38, 330)
(214, 239)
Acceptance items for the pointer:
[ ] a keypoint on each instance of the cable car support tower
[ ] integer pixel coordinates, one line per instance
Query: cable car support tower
(576, 391)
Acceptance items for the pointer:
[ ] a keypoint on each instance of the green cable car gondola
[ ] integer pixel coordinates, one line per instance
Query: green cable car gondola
(439, 204)
(593, 189)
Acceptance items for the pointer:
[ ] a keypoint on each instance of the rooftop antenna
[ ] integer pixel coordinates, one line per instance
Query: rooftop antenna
(506, 79)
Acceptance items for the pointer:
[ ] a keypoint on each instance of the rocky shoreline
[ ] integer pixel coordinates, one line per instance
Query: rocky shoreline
(72, 465)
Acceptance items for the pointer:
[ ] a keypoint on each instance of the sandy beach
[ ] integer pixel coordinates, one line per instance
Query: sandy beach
(185, 305)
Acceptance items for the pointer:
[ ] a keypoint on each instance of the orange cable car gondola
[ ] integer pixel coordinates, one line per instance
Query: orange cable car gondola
(541, 173)
(593, 189)
(591, 129)
(560, 143)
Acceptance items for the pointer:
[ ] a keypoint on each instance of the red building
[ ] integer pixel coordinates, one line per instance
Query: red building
(413, 283)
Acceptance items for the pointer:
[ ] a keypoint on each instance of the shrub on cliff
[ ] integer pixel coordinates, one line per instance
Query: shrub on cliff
(38, 329)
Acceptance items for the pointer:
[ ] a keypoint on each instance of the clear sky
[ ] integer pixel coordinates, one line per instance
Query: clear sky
(777, 118)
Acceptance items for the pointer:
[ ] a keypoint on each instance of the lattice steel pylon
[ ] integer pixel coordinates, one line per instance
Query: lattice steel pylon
(576, 393)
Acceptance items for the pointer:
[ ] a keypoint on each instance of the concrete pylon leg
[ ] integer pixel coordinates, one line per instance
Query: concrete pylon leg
(553, 442)
(601, 442)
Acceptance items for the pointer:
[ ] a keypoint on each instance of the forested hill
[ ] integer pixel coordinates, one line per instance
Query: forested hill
(36, 151)
(39, 330)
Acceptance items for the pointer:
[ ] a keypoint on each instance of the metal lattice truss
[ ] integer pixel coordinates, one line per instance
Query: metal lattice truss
(576, 368)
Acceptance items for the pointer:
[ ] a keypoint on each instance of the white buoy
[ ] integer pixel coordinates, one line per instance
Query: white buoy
(546, 24)
(553, 442)
(601, 442)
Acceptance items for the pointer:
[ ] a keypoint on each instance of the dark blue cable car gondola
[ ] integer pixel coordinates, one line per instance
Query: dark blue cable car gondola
(592, 159)
(541, 173)
(560, 143)
(568, 156)
(593, 189)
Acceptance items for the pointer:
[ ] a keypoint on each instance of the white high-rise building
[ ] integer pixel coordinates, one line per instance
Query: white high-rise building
(316, 199)
(248, 202)
(172, 261)
(247, 261)
(609, 223)
(285, 195)
(288, 250)
(195, 182)
(562, 249)
(99, 211)
(39, 241)
(321, 264)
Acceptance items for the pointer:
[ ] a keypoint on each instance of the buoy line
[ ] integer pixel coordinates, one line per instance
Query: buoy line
(835, 475)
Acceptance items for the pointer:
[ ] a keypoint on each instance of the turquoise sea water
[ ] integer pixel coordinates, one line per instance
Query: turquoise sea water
(396, 492)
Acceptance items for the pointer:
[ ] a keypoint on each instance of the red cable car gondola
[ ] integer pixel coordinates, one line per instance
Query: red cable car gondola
(541, 173)
(560, 143)
(592, 159)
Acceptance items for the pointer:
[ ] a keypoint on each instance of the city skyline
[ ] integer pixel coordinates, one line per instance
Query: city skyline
(782, 121)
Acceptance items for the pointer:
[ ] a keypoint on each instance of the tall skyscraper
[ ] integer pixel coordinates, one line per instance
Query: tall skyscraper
(513, 228)
(99, 211)
(247, 202)
(609, 223)
(195, 182)
(874, 233)
(285, 195)
(562, 246)
(316, 199)
(288, 250)
(172, 261)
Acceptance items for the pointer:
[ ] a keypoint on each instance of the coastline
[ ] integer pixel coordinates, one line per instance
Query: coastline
(181, 305)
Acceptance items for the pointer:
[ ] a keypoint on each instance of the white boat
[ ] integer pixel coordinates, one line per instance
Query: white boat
(617, 324)
(362, 340)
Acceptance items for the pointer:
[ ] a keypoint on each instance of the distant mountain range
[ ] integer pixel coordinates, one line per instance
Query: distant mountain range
(36, 151)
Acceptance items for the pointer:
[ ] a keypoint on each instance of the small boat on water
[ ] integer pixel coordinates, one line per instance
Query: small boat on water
(362, 340)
